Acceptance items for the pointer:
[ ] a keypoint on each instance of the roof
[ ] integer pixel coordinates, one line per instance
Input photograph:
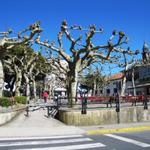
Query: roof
(116, 76)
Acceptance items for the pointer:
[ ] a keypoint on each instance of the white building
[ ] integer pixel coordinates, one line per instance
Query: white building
(52, 84)
(113, 84)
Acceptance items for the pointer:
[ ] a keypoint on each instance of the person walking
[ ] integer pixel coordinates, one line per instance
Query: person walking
(111, 98)
(45, 96)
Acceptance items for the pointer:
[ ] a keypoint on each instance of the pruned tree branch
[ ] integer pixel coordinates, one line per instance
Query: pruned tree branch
(80, 55)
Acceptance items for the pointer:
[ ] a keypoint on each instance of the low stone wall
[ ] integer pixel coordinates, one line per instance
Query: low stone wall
(8, 116)
(104, 116)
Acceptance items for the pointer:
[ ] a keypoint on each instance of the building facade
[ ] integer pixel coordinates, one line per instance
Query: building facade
(113, 84)
(142, 80)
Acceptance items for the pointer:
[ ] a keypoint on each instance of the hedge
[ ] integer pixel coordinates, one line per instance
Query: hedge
(21, 99)
(5, 101)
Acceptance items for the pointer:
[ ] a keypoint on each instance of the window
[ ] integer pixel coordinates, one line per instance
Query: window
(108, 91)
(115, 90)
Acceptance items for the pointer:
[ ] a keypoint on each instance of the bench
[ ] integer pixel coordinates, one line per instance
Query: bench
(103, 100)
(134, 99)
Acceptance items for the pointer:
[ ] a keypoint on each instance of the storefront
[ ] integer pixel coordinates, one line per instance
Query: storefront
(139, 89)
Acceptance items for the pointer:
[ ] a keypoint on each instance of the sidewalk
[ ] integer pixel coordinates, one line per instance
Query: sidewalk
(37, 124)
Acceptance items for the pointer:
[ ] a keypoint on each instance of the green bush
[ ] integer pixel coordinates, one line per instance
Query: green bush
(7, 93)
(5, 101)
(21, 99)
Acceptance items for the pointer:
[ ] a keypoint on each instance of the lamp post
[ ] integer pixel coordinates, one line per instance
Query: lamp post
(117, 99)
(84, 94)
(145, 102)
(84, 103)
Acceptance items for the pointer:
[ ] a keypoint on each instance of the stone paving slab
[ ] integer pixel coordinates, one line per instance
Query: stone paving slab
(37, 124)
(30, 132)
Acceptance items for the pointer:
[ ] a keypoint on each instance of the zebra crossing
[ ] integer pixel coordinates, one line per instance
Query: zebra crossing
(132, 141)
(63, 142)
(67, 142)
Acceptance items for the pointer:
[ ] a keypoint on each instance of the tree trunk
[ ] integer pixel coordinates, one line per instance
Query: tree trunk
(72, 88)
(18, 82)
(94, 88)
(50, 91)
(34, 89)
(1, 78)
(71, 92)
(123, 86)
(124, 80)
(133, 83)
(27, 87)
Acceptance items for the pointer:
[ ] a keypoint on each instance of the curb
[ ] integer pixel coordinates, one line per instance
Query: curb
(117, 130)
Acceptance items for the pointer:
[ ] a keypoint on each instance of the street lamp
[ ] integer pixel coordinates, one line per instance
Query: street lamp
(84, 94)
(145, 102)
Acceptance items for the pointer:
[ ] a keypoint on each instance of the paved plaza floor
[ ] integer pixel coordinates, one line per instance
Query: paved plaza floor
(37, 124)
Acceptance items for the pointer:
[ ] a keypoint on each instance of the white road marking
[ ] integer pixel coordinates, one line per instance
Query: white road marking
(23, 143)
(69, 147)
(141, 144)
(40, 138)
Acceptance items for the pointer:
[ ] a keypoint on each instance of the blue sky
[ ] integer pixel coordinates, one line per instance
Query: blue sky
(131, 16)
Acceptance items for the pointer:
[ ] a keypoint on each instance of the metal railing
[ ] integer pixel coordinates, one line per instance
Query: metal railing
(103, 102)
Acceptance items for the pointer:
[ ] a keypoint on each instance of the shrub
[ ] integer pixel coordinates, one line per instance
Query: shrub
(21, 99)
(7, 93)
(5, 101)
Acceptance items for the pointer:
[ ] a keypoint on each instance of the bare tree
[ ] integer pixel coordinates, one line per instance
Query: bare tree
(39, 65)
(6, 43)
(11, 65)
(83, 52)
(24, 62)
(94, 80)
(145, 53)
(127, 64)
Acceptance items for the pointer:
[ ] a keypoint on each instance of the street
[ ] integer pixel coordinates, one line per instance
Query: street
(122, 141)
